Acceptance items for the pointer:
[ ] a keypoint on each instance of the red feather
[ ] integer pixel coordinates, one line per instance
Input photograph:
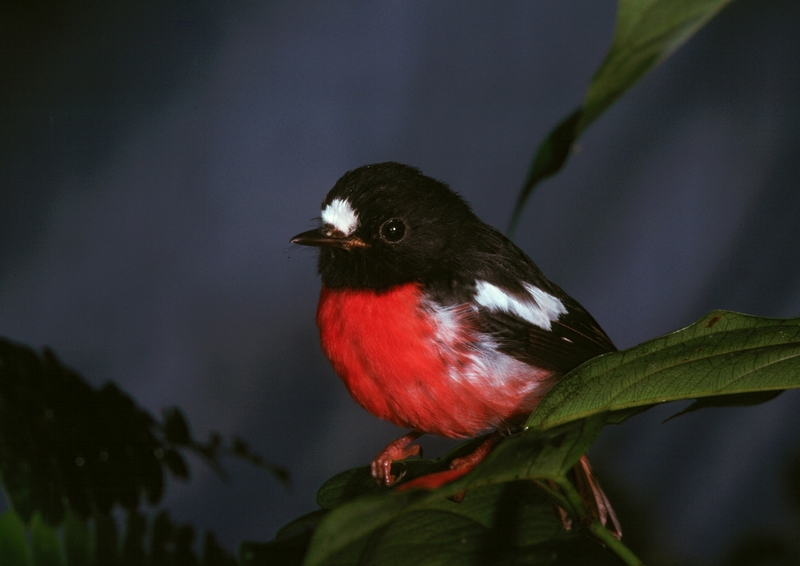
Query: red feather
(424, 367)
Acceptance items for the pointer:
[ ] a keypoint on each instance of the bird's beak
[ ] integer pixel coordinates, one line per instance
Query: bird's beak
(327, 238)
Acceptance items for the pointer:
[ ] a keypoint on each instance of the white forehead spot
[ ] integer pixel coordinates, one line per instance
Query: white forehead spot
(341, 216)
(540, 308)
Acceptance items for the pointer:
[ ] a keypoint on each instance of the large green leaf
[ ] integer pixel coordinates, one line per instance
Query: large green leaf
(78, 541)
(382, 528)
(14, 549)
(508, 523)
(45, 544)
(646, 32)
(723, 353)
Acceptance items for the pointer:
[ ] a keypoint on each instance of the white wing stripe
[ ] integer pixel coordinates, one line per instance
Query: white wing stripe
(542, 308)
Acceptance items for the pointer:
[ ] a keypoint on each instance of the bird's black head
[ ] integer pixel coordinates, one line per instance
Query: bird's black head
(387, 224)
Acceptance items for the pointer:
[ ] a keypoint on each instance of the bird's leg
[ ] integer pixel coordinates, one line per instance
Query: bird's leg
(476, 456)
(399, 449)
(593, 496)
(587, 485)
(458, 467)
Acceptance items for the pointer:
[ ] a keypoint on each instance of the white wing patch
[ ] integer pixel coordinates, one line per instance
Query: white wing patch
(341, 216)
(540, 309)
(473, 357)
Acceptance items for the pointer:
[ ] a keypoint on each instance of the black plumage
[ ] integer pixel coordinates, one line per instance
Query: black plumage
(447, 249)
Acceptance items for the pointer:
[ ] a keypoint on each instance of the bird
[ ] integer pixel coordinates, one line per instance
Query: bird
(436, 321)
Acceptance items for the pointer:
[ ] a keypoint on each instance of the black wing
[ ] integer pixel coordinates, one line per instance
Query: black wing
(571, 340)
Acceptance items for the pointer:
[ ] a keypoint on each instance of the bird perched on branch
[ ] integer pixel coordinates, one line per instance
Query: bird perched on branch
(436, 321)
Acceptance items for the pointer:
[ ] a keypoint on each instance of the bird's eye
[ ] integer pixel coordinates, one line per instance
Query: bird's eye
(393, 230)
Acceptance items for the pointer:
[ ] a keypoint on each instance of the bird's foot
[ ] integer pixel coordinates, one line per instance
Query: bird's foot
(399, 449)
(458, 468)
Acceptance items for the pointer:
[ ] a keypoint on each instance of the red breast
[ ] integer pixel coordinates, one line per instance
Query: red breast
(423, 366)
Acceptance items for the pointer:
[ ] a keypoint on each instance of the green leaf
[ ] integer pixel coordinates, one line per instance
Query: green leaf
(184, 545)
(348, 485)
(535, 455)
(133, 550)
(723, 353)
(284, 552)
(241, 449)
(646, 32)
(176, 464)
(78, 544)
(502, 523)
(354, 522)
(548, 159)
(348, 533)
(66, 446)
(428, 537)
(13, 544)
(106, 539)
(162, 535)
(44, 543)
(175, 427)
(508, 523)
(289, 545)
(214, 554)
(733, 400)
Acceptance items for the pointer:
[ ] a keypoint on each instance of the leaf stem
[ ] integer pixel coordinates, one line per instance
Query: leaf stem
(553, 495)
(613, 543)
(595, 527)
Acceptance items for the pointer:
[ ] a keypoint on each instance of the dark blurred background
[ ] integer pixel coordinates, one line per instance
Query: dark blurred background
(156, 157)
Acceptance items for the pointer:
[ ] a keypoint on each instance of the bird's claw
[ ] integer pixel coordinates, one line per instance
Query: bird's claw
(400, 449)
